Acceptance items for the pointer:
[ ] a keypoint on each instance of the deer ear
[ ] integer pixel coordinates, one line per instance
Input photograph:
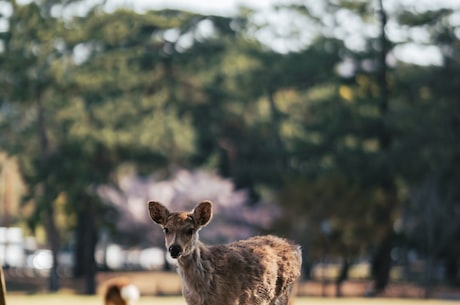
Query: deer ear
(158, 212)
(203, 213)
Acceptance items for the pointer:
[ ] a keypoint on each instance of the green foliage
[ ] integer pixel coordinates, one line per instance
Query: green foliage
(428, 18)
(85, 96)
(329, 212)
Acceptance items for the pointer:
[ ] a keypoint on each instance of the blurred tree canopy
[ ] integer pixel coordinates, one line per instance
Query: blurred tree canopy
(340, 131)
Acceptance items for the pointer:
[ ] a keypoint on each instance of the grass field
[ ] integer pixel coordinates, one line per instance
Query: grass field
(63, 299)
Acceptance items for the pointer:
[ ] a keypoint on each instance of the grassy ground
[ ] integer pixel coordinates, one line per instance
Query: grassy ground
(60, 299)
(24, 290)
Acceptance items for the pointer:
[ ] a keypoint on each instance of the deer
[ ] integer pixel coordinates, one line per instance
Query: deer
(261, 270)
(120, 291)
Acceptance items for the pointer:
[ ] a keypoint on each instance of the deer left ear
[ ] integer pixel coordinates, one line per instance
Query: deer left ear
(158, 212)
(203, 213)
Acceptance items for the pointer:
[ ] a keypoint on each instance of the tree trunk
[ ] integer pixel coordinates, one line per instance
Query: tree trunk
(276, 119)
(79, 252)
(451, 267)
(382, 260)
(429, 276)
(86, 237)
(53, 242)
(381, 263)
(90, 287)
(343, 275)
(52, 232)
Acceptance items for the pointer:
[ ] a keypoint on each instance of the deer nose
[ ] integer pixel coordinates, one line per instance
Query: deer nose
(175, 251)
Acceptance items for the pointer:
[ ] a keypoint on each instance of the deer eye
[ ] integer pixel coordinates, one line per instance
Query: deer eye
(166, 230)
(190, 231)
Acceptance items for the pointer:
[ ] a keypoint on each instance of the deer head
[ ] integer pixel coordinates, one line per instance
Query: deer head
(181, 228)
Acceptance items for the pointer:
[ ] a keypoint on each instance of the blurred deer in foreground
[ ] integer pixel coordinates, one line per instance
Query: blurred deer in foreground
(257, 271)
(120, 291)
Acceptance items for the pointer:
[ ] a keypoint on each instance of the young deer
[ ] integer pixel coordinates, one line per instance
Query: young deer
(257, 271)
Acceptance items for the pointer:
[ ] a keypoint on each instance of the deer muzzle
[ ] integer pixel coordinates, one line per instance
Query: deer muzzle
(175, 251)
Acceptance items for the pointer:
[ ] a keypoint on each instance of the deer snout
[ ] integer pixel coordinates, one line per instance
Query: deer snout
(175, 251)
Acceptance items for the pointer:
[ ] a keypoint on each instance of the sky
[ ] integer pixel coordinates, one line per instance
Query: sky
(219, 7)
(282, 26)
(412, 52)
(226, 7)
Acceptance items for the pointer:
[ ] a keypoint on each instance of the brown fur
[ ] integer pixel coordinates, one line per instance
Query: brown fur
(112, 294)
(257, 271)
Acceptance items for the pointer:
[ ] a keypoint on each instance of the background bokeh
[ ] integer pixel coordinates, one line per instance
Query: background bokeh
(332, 123)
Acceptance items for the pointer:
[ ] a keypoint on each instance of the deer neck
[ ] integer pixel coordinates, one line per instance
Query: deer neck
(194, 258)
(195, 268)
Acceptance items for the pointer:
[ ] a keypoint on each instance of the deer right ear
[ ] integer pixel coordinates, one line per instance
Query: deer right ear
(158, 212)
(203, 213)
